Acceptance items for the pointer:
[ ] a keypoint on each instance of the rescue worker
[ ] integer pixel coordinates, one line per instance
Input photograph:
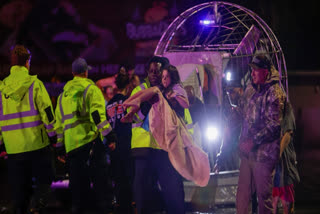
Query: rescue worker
(81, 124)
(152, 165)
(26, 122)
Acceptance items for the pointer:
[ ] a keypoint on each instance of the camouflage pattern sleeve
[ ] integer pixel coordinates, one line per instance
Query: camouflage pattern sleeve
(273, 108)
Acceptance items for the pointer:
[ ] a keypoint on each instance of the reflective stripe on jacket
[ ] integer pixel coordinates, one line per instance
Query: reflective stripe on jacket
(78, 106)
(26, 114)
(188, 120)
(141, 138)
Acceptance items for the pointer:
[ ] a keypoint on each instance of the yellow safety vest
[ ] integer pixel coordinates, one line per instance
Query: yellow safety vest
(188, 120)
(26, 113)
(75, 125)
(141, 138)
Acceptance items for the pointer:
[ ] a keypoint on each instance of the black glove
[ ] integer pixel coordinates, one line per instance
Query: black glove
(2, 148)
(59, 149)
(3, 152)
(109, 141)
(53, 140)
(111, 137)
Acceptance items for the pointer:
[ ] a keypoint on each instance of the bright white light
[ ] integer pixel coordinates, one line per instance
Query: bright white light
(228, 76)
(212, 133)
(206, 22)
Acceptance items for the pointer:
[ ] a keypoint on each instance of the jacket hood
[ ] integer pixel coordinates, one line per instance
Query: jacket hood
(77, 86)
(17, 83)
(273, 75)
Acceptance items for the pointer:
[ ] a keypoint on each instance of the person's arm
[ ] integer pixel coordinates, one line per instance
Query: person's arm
(273, 115)
(285, 140)
(59, 145)
(3, 152)
(44, 106)
(182, 100)
(58, 124)
(106, 81)
(134, 102)
(143, 95)
(180, 95)
(288, 127)
(1, 138)
(97, 111)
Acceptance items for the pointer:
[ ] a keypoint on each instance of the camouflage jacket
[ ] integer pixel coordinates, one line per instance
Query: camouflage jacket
(262, 108)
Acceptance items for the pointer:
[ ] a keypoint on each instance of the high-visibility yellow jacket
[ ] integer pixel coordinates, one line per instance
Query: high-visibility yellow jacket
(26, 113)
(141, 136)
(80, 114)
(188, 120)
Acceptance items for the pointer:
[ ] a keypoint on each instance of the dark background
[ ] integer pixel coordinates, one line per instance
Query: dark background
(295, 23)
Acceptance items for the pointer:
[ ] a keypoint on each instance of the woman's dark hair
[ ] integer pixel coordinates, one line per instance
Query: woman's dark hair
(19, 55)
(122, 80)
(174, 75)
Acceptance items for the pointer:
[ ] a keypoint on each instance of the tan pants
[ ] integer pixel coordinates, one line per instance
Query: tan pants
(255, 177)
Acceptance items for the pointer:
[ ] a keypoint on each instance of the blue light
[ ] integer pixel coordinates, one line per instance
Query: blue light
(206, 22)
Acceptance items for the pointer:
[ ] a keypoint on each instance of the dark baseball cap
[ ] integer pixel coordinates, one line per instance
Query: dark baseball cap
(80, 66)
(260, 61)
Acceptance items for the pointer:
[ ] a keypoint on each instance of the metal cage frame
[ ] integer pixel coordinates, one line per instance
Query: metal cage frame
(240, 21)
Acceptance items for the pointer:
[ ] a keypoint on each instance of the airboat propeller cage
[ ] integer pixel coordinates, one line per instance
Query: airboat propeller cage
(229, 44)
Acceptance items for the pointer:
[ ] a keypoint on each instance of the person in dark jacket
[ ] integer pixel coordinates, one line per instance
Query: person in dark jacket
(121, 161)
(286, 175)
(261, 110)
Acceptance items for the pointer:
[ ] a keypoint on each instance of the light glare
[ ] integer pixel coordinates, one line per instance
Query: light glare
(212, 133)
(207, 22)
(228, 76)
